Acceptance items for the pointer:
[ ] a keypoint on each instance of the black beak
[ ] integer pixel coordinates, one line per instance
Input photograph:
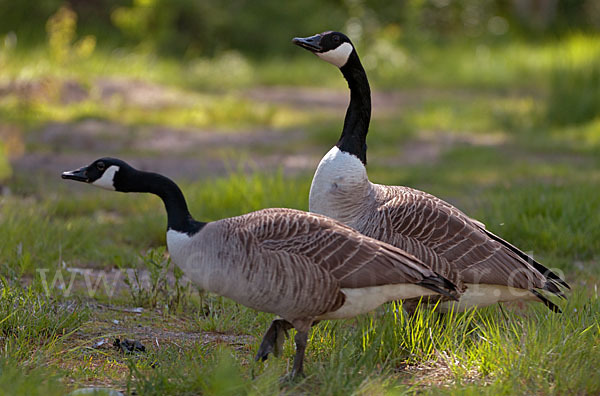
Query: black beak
(77, 174)
(313, 43)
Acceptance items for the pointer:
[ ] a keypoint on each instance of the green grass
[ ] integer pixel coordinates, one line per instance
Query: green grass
(28, 315)
(17, 381)
(35, 330)
(579, 85)
(533, 352)
(558, 220)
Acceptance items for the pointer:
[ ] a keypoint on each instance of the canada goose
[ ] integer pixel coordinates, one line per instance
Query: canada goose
(486, 268)
(301, 266)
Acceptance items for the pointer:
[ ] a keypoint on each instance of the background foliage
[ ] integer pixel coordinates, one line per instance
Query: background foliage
(261, 27)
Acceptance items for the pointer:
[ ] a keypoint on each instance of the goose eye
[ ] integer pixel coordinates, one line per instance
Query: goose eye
(100, 165)
(336, 39)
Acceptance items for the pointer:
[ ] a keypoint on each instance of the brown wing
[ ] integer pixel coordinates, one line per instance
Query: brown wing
(432, 229)
(353, 259)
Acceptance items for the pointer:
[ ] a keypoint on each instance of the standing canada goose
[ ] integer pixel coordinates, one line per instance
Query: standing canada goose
(486, 268)
(301, 266)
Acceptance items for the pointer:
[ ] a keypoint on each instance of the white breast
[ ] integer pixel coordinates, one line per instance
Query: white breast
(200, 259)
(176, 242)
(339, 186)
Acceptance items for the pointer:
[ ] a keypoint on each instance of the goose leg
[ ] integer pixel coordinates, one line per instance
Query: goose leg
(301, 340)
(410, 306)
(273, 339)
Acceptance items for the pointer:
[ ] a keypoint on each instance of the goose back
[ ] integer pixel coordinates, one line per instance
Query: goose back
(454, 245)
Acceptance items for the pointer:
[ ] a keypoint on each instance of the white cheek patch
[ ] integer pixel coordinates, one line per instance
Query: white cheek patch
(338, 56)
(106, 181)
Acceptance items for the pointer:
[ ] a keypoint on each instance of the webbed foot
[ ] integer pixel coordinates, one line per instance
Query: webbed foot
(273, 339)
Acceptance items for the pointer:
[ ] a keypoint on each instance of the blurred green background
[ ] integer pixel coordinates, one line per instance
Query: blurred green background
(188, 29)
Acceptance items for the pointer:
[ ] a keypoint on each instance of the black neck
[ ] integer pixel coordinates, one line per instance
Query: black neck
(178, 216)
(358, 114)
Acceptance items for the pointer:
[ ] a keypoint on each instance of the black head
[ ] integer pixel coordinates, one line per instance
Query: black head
(333, 47)
(104, 172)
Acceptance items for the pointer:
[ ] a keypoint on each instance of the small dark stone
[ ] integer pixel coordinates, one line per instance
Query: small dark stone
(129, 346)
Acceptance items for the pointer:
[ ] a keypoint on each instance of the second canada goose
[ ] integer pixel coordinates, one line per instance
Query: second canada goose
(486, 268)
(301, 266)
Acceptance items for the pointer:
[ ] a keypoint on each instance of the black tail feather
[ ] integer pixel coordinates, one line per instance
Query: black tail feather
(538, 266)
(553, 288)
(553, 307)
